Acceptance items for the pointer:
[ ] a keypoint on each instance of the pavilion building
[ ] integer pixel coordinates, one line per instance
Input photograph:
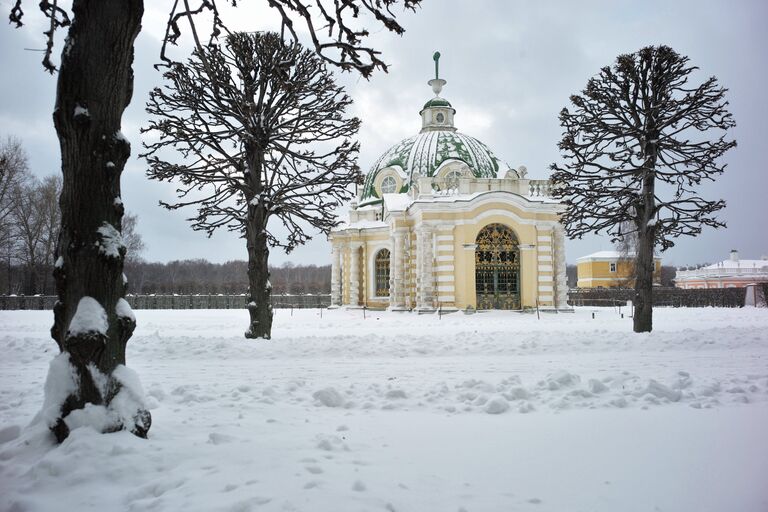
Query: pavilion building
(440, 222)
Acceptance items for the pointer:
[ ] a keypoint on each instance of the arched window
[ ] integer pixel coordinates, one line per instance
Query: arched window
(453, 175)
(497, 268)
(382, 273)
(388, 185)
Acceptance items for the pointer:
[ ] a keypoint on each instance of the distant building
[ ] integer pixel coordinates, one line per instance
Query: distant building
(607, 269)
(730, 273)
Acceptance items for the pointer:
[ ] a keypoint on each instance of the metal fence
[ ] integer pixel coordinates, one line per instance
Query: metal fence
(669, 297)
(17, 302)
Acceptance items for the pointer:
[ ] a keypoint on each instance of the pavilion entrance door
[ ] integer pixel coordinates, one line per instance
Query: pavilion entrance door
(497, 268)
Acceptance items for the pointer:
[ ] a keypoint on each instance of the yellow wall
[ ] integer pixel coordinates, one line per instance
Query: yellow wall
(464, 228)
(600, 273)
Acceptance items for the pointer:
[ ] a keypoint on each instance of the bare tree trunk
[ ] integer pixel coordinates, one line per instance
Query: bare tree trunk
(643, 314)
(259, 287)
(95, 85)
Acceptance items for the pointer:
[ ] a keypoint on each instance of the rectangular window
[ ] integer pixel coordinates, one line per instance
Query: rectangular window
(613, 267)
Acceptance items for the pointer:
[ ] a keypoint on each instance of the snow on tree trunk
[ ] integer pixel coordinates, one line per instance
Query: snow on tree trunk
(91, 322)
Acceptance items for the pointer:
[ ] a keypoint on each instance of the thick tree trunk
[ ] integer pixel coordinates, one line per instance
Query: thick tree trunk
(643, 314)
(94, 87)
(259, 287)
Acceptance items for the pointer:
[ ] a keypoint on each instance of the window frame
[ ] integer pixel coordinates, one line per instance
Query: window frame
(384, 181)
(385, 276)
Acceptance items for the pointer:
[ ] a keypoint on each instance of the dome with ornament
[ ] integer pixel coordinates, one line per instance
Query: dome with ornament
(438, 149)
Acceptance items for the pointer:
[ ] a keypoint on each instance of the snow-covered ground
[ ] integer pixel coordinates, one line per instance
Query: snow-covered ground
(401, 412)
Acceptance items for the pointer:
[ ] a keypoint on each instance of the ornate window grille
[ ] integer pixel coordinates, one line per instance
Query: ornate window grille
(497, 268)
(382, 273)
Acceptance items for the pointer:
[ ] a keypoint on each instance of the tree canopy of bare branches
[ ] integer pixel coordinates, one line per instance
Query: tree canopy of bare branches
(263, 134)
(637, 143)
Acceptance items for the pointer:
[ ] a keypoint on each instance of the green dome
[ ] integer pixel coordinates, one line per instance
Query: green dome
(423, 154)
(437, 102)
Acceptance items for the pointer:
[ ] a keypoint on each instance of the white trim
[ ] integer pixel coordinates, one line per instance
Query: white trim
(445, 279)
(603, 279)
(545, 298)
(545, 248)
(543, 238)
(444, 268)
(446, 298)
(545, 288)
(545, 279)
(545, 257)
(444, 257)
(545, 268)
(445, 238)
(469, 203)
(446, 288)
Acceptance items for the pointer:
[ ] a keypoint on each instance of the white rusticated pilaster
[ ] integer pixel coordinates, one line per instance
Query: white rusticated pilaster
(561, 281)
(335, 275)
(397, 271)
(425, 256)
(354, 273)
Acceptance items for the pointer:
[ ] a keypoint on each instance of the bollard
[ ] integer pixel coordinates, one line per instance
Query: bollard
(593, 315)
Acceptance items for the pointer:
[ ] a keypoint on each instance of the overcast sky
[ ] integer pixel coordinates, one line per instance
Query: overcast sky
(510, 67)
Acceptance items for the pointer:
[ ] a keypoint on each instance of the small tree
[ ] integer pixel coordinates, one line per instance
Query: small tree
(261, 127)
(35, 217)
(134, 243)
(14, 175)
(636, 145)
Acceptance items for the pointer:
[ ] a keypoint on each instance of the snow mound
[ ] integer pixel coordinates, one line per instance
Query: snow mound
(59, 384)
(497, 405)
(329, 397)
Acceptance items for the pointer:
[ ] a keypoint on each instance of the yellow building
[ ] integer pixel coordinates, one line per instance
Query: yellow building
(440, 222)
(607, 269)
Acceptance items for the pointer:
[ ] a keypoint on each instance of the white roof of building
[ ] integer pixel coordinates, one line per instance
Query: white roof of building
(397, 202)
(739, 264)
(608, 255)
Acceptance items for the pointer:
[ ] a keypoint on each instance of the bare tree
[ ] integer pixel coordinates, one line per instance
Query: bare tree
(636, 145)
(261, 127)
(35, 218)
(14, 174)
(94, 86)
(134, 244)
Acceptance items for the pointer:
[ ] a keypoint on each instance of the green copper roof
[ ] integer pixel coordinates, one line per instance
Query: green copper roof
(423, 154)
(437, 102)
